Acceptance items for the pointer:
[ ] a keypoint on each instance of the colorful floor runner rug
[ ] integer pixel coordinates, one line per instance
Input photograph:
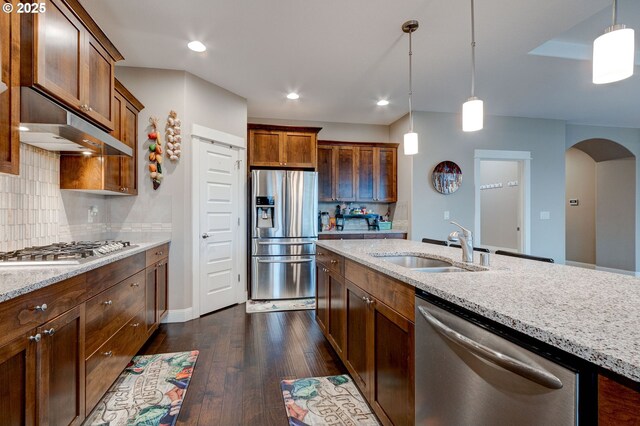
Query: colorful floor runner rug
(149, 392)
(331, 400)
(254, 306)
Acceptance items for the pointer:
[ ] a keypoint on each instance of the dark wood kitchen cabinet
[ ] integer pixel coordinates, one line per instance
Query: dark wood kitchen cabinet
(67, 56)
(364, 172)
(371, 327)
(282, 146)
(618, 404)
(156, 297)
(108, 174)
(10, 98)
(18, 375)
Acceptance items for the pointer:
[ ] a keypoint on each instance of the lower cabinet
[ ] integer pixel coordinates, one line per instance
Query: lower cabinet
(375, 341)
(156, 299)
(18, 376)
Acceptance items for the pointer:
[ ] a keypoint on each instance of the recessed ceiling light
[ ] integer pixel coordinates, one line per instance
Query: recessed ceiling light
(23, 129)
(293, 95)
(86, 153)
(197, 46)
(382, 102)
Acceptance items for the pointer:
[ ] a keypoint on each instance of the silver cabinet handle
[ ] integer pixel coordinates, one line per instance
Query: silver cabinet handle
(135, 324)
(160, 253)
(50, 332)
(286, 261)
(536, 375)
(41, 308)
(135, 284)
(35, 338)
(108, 354)
(108, 303)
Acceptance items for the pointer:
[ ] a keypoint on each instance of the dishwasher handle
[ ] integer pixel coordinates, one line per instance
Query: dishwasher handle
(537, 375)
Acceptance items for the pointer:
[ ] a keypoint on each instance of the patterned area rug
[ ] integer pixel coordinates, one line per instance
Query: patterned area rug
(254, 306)
(148, 393)
(331, 400)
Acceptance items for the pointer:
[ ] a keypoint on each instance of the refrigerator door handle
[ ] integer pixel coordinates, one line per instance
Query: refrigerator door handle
(286, 261)
(537, 375)
(286, 243)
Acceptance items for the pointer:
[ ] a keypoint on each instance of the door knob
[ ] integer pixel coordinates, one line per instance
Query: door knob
(205, 235)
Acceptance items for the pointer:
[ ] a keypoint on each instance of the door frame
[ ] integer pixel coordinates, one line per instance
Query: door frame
(203, 135)
(524, 157)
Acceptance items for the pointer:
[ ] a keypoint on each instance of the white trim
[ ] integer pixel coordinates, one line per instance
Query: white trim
(525, 158)
(212, 135)
(602, 268)
(201, 134)
(178, 315)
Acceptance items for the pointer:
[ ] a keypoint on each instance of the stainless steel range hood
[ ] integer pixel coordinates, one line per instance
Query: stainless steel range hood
(49, 126)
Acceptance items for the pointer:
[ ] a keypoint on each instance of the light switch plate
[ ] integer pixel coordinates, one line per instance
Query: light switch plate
(446, 215)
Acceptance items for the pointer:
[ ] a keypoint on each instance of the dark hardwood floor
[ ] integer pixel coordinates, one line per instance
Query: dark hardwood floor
(242, 359)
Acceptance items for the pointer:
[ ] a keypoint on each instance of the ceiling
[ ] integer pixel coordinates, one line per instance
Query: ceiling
(342, 56)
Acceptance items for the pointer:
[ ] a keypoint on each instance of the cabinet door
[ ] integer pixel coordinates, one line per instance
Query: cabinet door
(162, 280)
(299, 149)
(60, 38)
(345, 174)
(365, 176)
(151, 314)
(322, 297)
(337, 307)
(98, 82)
(129, 166)
(61, 369)
(112, 162)
(392, 351)
(359, 322)
(18, 378)
(10, 98)
(326, 182)
(386, 175)
(264, 148)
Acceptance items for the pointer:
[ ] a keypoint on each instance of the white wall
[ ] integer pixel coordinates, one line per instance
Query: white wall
(441, 138)
(195, 101)
(615, 214)
(343, 132)
(500, 206)
(580, 231)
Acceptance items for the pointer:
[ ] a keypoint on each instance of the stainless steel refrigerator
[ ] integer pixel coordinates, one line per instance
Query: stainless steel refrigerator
(284, 231)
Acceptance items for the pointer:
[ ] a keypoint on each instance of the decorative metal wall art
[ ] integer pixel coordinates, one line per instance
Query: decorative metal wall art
(446, 177)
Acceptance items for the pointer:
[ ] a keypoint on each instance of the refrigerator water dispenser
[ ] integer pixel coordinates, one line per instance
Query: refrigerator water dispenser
(265, 212)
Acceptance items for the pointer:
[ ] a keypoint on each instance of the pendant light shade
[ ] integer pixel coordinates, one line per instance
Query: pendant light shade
(410, 138)
(473, 109)
(472, 115)
(613, 55)
(613, 52)
(410, 143)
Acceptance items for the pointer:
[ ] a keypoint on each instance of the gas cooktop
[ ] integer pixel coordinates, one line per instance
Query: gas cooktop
(73, 253)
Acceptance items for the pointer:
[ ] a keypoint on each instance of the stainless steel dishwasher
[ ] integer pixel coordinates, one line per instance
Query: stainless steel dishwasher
(467, 375)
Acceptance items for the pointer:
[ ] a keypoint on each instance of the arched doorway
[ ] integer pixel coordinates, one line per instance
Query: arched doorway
(601, 205)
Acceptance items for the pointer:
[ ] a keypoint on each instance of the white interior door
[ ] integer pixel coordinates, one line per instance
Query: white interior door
(219, 226)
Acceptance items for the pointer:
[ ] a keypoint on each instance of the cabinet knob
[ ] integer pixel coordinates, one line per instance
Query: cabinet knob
(160, 264)
(108, 303)
(160, 253)
(135, 324)
(35, 338)
(135, 284)
(108, 354)
(50, 332)
(333, 261)
(40, 308)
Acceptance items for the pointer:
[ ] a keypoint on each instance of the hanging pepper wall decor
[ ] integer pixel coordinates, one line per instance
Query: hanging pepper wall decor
(174, 138)
(155, 153)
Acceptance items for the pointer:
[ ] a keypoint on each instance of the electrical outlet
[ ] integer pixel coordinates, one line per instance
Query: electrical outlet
(446, 215)
(544, 215)
(91, 213)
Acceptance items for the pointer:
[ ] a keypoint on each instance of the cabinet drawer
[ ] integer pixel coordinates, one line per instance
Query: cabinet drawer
(28, 311)
(111, 309)
(106, 364)
(157, 253)
(102, 278)
(332, 261)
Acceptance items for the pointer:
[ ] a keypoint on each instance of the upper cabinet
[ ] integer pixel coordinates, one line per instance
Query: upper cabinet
(357, 172)
(282, 146)
(10, 98)
(67, 56)
(108, 174)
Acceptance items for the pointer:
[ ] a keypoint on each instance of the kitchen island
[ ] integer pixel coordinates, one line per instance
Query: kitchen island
(588, 314)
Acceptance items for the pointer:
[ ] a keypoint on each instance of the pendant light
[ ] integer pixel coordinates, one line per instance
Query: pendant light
(613, 53)
(473, 109)
(410, 138)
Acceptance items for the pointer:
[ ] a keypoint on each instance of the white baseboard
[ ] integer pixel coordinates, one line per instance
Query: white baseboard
(602, 268)
(178, 315)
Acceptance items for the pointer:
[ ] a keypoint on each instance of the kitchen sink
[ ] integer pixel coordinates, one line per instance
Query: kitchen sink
(422, 264)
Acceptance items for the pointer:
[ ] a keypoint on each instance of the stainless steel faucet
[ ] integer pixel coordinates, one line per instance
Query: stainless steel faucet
(466, 242)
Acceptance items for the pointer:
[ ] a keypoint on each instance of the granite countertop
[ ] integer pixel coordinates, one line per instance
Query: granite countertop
(594, 315)
(18, 280)
(362, 231)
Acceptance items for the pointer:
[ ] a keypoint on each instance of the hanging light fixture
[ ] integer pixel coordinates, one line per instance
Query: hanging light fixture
(473, 109)
(613, 53)
(410, 138)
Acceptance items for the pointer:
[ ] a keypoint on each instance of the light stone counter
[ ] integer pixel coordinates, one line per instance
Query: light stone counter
(362, 231)
(18, 280)
(594, 315)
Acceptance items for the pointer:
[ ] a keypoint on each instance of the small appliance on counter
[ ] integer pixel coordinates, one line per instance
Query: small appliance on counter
(284, 230)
